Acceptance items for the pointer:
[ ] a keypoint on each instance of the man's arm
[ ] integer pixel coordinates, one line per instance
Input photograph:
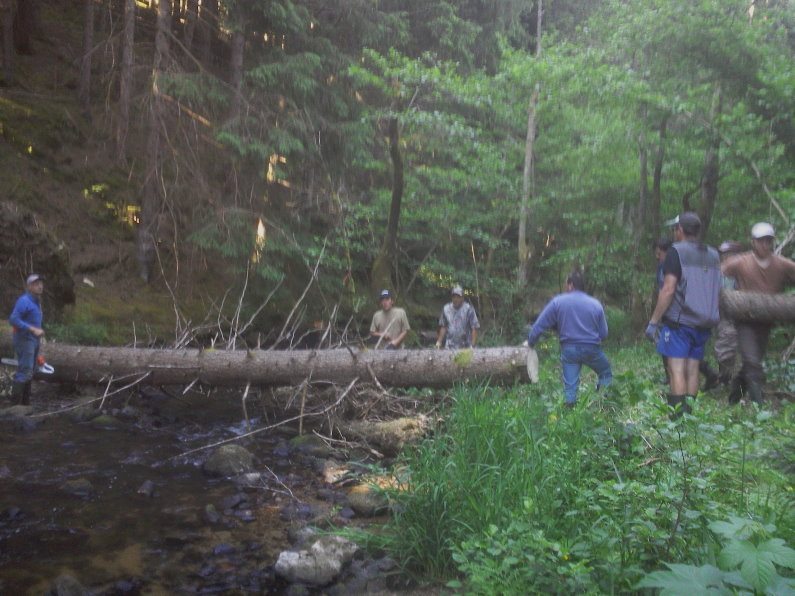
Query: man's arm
(664, 299)
(474, 337)
(440, 338)
(544, 321)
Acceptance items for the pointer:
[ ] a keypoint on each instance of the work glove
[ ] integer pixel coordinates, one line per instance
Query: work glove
(652, 331)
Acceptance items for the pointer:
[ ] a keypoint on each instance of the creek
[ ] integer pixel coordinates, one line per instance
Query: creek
(127, 509)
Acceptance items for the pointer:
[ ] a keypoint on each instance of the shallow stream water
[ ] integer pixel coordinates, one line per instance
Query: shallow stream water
(128, 510)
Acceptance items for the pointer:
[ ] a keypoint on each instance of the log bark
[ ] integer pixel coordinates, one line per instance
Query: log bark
(756, 307)
(394, 368)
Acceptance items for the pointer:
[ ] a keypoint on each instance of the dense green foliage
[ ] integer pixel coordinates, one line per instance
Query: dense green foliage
(643, 111)
(517, 495)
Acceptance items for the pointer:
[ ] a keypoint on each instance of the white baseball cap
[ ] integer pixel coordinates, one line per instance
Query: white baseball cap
(33, 277)
(762, 230)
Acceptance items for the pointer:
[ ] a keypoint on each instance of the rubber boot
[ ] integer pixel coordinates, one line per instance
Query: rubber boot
(737, 390)
(26, 393)
(724, 373)
(711, 377)
(673, 402)
(754, 391)
(17, 393)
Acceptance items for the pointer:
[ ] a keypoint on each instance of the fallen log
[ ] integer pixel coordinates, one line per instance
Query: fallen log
(757, 307)
(395, 368)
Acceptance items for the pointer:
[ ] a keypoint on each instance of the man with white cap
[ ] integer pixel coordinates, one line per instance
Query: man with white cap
(458, 323)
(757, 271)
(390, 324)
(26, 320)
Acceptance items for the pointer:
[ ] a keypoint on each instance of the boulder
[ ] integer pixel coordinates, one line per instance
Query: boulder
(318, 565)
(367, 500)
(229, 460)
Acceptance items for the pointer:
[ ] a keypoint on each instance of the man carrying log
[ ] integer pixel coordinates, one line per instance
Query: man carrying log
(758, 270)
(581, 324)
(26, 320)
(686, 310)
(390, 324)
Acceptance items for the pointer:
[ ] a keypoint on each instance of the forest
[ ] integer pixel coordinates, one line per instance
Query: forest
(337, 148)
(252, 173)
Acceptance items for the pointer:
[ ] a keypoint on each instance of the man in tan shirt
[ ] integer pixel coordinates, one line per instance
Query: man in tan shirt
(757, 271)
(390, 324)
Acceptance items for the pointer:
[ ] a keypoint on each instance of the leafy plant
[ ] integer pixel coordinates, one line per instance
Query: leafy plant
(749, 560)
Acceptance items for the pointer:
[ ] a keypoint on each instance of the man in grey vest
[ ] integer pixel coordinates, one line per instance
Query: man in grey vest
(686, 310)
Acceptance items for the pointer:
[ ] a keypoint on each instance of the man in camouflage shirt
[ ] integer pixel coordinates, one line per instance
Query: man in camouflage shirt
(458, 323)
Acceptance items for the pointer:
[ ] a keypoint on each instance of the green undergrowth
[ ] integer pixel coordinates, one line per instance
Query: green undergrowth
(516, 494)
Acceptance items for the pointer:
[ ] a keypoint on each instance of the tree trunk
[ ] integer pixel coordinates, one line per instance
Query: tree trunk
(656, 187)
(236, 66)
(393, 368)
(710, 173)
(151, 199)
(84, 91)
(7, 24)
(208, 19)
(125, 81)
(755, 307)
(191, 8)
(528, 176)
(24, 25)
(381, 273)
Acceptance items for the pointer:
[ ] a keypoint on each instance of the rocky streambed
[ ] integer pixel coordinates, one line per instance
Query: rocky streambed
(148, 495)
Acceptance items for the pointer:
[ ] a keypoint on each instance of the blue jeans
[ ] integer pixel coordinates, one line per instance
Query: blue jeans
(573, 356)
(26, 348)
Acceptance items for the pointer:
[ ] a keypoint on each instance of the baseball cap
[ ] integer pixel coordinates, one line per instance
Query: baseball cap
(670, 223)
(384, 294)
(688, 218)
(457, 291)
(33, 277)
(762, 230)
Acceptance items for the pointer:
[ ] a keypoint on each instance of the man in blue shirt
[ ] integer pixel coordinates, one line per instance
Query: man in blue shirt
(26, 320)
(581, 325)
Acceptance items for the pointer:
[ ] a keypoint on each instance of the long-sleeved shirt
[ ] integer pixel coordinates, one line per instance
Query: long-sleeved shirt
(26, 314)
(578, 317)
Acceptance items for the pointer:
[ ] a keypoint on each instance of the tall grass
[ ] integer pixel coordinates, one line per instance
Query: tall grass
(517, 495)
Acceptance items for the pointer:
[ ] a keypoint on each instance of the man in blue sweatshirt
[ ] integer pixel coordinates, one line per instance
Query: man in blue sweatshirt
(581, 325)
(26, 320)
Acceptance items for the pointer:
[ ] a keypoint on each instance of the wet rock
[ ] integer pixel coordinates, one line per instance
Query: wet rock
(147, 489)
(318, 565)
(105, 422)
(367, 500)
(67, 585)
(346, 512)
(223, 550)
(24, 424)
(281, 450)
(14, 412)
(251, 480)
(233, 501)
(334, 471)
(313, 445)
(80, 487)
(229, 460)
(211, 515)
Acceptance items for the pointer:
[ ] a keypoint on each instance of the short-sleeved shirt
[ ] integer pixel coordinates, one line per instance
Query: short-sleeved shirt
(393, 321)
(752, 277)
(459, 323)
